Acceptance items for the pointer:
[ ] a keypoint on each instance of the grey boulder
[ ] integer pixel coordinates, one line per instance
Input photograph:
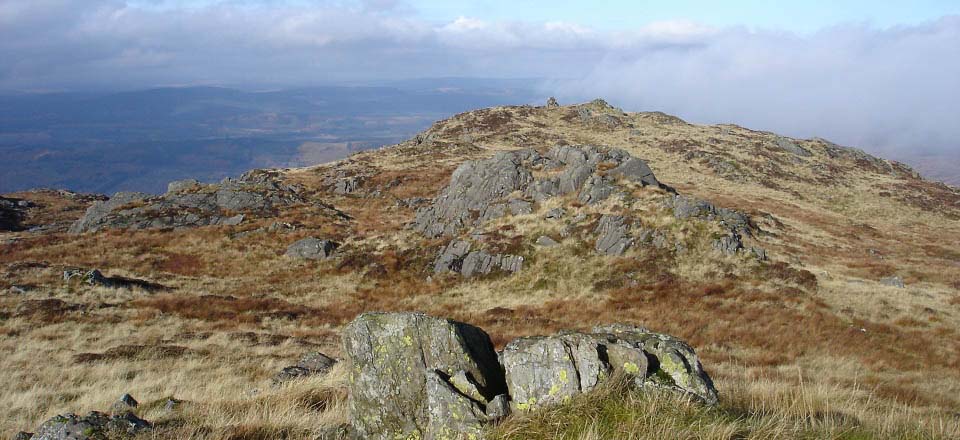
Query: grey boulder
(548, 370)
(311, 364)
(312, 249)
(416, 376)
(791, 147)
(126, 404)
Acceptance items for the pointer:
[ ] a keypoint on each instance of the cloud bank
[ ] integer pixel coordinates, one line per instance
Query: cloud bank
(893, 88)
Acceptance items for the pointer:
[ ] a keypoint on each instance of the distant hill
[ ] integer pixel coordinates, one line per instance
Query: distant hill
(139, 140)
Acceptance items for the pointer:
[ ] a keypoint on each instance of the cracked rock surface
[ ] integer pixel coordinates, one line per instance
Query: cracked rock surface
(400, 384)
(416, 376)
(546, 370)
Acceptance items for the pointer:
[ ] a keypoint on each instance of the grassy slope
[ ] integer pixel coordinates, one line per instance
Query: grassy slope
(844, 356)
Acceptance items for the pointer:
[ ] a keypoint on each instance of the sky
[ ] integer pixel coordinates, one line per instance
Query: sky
(879, 73)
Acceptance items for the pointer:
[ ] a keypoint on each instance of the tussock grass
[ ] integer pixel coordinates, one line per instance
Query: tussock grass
(759, 409)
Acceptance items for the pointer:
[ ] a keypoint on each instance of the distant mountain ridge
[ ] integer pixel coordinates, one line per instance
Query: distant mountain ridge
(139, 140)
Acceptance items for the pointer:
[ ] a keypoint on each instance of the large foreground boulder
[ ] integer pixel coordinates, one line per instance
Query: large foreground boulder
(415, 376)
(546, 370)
(418, 377)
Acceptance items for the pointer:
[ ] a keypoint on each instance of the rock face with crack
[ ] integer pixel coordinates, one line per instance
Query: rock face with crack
(189, 203)
(546, 370)
(402, 385)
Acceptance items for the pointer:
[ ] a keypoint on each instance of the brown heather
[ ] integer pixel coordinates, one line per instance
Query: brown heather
(807, 345)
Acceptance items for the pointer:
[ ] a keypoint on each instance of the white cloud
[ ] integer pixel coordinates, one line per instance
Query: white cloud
(857, 84)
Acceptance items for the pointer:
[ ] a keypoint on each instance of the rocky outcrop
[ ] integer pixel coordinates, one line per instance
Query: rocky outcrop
(189, 204)
(737, 224)
(312, 249)
(484, 190)
(311, 364)
(93, 426)
(403, 383)
(457, 257)
(416, 376)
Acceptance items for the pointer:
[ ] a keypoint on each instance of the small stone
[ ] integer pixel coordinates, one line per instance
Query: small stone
(21, 289)
(311, 364)
(498, 408)
(182, 185)
(126, 404)
(232, 221)
(546, 241)
(552, 102)
(555, 214)
(312, 249)
(171, 404)
(23, 436)
(894, 281)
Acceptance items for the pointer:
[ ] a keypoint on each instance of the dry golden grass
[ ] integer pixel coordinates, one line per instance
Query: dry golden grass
(875, 361)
